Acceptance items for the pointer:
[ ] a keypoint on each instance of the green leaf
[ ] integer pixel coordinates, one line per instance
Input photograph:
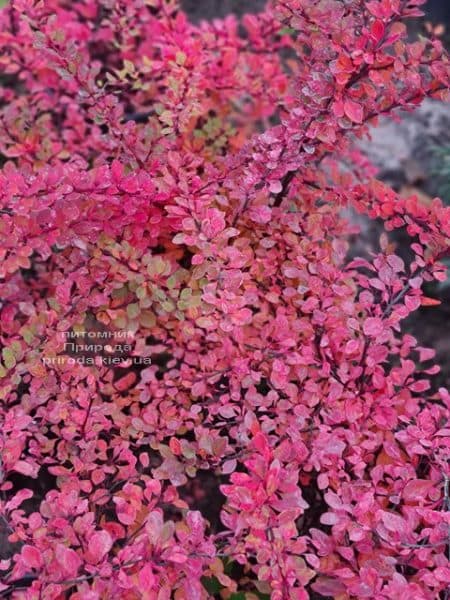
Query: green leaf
(167, 117)
(180, 58)
(53, 303)
(8, 358)
(171, 282)
(120, 322)
(27, 335)
(186, 294)
(133, 310)
(120, 293)
(141, 292)
(16, 348)
(158, 266)
(147, 319)
(129, 66)
(168, 306)
(287, 31)
(212, 585)
(159, 294)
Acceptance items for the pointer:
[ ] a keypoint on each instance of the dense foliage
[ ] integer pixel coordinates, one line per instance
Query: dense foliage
(186, 189)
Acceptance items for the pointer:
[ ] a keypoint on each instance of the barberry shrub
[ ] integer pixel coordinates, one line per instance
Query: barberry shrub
(268, 430)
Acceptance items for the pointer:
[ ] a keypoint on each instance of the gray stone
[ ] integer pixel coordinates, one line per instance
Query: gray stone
(404, 151)
(210, 9)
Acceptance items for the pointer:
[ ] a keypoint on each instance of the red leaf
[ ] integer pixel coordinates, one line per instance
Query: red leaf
(426, 301)
(377, 31)
(125, 382)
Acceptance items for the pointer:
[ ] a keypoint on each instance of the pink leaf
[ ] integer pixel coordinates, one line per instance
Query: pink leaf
(147, 578)
(68, 559)
(396, 263)
(229, 466)
(214, 224)
(260, 214)
(20, 497)
(176, 554)
(275, 187)
(393, 523)
(373, 326)
(416, 490)
(31, 557)
(354, 111)
(100, 543)
(26, 468)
